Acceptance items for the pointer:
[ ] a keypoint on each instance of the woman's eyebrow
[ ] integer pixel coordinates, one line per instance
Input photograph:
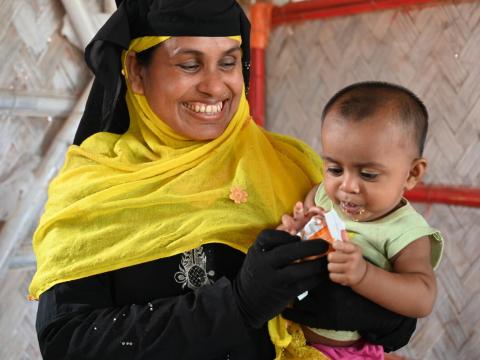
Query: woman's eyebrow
(187, 51)
(182, 51)
(233, 49)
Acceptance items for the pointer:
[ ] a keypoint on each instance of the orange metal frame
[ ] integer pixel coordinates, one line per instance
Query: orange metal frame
(264, 16)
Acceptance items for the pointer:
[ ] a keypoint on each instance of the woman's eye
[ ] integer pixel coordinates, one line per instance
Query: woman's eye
(335, 171)
(190, 67)
(368, 176)
(228, 64)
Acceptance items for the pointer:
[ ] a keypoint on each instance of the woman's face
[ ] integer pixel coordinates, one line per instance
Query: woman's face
(193, 84)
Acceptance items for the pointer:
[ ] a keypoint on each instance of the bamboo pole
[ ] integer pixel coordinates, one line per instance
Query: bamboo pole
(81, 20)
(24, 217)
(19, 104)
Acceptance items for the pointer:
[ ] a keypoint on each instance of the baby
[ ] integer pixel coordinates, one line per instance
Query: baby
(373, 134)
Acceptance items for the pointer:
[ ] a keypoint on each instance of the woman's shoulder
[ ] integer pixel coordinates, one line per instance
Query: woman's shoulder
(298, 151)
(291, 141)
(101, 143)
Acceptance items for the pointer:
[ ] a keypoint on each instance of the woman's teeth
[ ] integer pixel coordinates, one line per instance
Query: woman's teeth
(205, 108)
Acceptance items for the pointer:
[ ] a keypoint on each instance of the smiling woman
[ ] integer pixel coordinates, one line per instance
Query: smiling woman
(193, 83)
(141, 249)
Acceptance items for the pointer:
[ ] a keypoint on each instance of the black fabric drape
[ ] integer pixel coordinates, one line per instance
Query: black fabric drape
(141, 312)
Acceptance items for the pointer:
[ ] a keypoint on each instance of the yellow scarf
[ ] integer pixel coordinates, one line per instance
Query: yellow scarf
(122, 200)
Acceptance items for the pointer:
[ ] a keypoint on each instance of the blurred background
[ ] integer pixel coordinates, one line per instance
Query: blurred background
(431, 47)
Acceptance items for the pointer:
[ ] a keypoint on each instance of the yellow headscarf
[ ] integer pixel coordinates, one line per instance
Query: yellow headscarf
(122, 200)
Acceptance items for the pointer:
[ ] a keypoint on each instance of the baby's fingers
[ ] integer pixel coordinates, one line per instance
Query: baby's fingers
(288, 225)
(298, 211)
(344, 246)
(338, 257)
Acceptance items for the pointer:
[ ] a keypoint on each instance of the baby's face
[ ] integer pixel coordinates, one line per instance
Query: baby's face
(367, 164)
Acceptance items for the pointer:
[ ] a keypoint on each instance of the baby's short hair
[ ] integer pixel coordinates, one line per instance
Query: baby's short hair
(362, 100)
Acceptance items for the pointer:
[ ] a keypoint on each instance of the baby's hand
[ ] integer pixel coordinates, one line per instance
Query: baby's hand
(346, 264)
(294, 224)
(287, 225)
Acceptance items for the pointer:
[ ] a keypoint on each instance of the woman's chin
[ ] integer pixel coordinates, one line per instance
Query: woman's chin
(204, 132)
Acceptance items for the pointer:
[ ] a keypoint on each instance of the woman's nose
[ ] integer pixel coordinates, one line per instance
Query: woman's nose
(213, 84)
(350, 184)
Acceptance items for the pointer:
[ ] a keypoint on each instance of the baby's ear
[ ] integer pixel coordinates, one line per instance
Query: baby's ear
(417, 169)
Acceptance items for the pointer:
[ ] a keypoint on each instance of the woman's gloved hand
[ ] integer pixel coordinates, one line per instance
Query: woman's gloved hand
(333, 306)
(273, 274)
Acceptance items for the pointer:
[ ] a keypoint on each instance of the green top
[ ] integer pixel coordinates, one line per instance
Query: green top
(381, 240)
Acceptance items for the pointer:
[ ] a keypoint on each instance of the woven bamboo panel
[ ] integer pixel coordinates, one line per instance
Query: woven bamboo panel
(36, 59)
(434, 51)
(17, 318)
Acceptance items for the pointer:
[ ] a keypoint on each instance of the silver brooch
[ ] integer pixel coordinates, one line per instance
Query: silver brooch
(193, 270)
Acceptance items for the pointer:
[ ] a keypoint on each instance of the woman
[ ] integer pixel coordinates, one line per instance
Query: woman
(140, 251)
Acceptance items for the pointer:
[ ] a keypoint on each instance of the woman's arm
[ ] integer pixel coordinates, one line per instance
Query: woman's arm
(77, 320)
(333, 306)
(410, 290)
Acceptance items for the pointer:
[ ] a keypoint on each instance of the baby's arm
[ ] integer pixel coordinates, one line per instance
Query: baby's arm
(310, 198)
(410, 290)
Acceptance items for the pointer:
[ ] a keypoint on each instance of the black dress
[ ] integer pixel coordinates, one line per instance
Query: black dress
(181, 307)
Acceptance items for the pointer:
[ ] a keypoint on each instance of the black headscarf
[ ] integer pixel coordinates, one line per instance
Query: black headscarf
(106, 109)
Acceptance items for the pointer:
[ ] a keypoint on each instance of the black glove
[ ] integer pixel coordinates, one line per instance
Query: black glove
(333, 306)
(270, 278)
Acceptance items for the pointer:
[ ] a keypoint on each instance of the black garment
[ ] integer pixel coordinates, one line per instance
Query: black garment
(185, 302)
(93, 318)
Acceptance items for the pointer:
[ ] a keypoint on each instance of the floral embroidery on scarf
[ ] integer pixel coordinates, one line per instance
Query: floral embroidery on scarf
(238, 195)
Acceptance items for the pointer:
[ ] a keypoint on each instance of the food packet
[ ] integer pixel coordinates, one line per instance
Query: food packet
(327, 227)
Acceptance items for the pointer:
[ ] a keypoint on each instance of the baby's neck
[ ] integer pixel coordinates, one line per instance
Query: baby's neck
(400, 204)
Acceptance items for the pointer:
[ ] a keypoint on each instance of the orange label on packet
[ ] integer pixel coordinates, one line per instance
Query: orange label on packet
(328, 228)
(322, 233)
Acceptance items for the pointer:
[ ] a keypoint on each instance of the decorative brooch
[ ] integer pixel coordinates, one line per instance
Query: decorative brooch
(238, 195)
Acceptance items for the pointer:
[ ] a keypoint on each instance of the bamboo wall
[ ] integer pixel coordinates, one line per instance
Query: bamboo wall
(37, 60)
(433, 50)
